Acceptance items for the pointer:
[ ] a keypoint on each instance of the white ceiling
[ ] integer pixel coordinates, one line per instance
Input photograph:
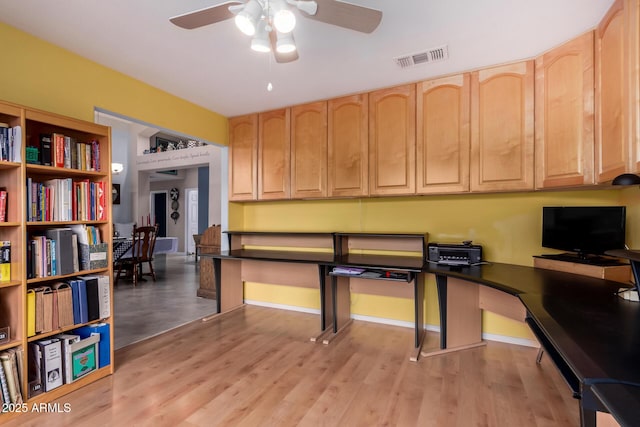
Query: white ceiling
(214, 67)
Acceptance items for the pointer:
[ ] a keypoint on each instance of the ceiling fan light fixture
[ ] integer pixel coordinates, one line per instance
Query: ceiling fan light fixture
(260, 41)
(309, 7)
(247, 19)
(285, 43)
(284, 20)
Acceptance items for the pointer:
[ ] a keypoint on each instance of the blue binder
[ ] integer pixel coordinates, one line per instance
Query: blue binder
(80, 309)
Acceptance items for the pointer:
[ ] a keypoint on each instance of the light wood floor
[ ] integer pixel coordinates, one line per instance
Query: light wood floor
(256, 367)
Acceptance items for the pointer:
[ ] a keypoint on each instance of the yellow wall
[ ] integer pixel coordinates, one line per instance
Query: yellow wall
(508, 226)
(40, 75)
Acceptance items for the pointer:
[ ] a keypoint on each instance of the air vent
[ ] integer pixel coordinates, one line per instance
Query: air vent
(435, 54)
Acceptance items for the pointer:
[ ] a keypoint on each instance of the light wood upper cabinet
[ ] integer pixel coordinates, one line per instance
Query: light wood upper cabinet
(243, 157)
(309, 150)
(392, 140)
(274, 155)
(612, 89)
(565, 115)
(502, 128)
(634, 98)
(442, 135)
(348, 139)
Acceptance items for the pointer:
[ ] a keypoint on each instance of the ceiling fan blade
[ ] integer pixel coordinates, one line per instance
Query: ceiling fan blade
(281, 58)
(206, 16)
(347, 15)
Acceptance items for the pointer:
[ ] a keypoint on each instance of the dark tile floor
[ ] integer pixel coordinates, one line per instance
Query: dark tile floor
(155, 307)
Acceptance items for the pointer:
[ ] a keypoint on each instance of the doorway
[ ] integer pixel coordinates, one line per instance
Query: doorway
(158, 211)
(191, 223)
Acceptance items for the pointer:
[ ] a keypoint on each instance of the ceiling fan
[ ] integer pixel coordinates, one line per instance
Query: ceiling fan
(270, 22)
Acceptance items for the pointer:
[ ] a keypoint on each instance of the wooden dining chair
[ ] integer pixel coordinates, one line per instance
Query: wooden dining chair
(143, 243)
(147, 256)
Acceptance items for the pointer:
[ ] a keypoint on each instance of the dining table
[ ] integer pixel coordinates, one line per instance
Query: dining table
(122, 246)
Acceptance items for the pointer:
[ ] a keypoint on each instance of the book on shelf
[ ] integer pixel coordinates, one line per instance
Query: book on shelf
(4, 204)
(46, 149)
(5, 261)
(34, 377)
(50, 363)
(31, 312)
(74, 253)
(64, 248)
(68, 143)
(43, 308)
(93, 297)
(64, 303)
(39, 309)
(4, 146)
(4, 385)
(47, 307)
(10, 143)
(13, 378)
(57, 148)
(104, 291)
(80, 309)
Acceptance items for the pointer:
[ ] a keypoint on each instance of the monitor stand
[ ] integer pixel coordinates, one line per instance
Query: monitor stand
(582, 258)
(634, 258)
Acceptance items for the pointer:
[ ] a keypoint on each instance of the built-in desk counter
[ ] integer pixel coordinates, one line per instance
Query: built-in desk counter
(591, 334)
(283, 258)
(395, 259)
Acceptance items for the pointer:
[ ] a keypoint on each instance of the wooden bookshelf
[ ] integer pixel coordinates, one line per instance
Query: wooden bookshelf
(17, 230)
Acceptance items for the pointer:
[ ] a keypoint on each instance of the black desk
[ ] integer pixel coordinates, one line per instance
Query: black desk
(592, 335)
(230, 296)
(409, 270)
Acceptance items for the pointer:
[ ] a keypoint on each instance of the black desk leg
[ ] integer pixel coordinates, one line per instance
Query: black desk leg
(334, 302)
(589, 404)
(217, 273)
(418, 309)
(322, 269)
(441, 284)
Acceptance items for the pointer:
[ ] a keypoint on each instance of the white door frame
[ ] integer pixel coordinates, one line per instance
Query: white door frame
(188, 238)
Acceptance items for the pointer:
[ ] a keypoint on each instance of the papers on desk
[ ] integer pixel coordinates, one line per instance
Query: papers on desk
(351, 271)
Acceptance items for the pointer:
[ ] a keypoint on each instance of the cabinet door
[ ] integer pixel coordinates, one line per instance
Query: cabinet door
(243, 157)
(348, 140)
(442, 146)
(612, 144)
(502, 128)
(564, 115)
(392, 140)
(634, 114)
(309, 150)
(274, 155)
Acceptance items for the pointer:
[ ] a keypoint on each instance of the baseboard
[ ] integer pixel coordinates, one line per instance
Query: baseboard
(282, 306)
(404, 324)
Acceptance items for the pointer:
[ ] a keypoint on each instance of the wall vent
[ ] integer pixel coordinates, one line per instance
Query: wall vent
(436, 54)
